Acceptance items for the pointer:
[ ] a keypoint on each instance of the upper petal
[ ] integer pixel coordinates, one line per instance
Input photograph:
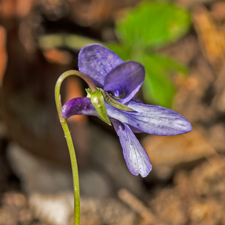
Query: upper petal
(78, 106)
(151, 119)
(128, 77)
(96, 61)
(136, 158)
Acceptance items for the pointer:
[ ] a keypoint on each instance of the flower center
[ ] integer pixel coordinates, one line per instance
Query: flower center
(109, 97)
(119, 97)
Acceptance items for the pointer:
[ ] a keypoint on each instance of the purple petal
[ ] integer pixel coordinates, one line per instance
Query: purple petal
(135, 130)
(136, 158)
(134, 99)
(96, 61)
(128, 76)
(151, 119)
(78, 106)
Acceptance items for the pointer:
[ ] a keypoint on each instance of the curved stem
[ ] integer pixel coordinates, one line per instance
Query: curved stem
(69, 139)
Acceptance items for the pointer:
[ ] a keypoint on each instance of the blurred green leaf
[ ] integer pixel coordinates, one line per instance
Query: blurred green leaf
(148, 26)
(153, 24)
(158, 88)
(64, 40)
(123, 51)
(169, 64)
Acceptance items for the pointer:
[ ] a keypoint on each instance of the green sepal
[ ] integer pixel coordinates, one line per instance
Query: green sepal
(88, 90)
(117, 104)
(97, 100)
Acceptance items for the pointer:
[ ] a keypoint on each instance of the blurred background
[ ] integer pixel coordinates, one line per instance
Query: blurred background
(181, 43)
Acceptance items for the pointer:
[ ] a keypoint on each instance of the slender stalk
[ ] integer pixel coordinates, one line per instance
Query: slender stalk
(69, 139)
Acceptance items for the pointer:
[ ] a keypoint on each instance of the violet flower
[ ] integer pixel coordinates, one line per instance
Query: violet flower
(121, 80)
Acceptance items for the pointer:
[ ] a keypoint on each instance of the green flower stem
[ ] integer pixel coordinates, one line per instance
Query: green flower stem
(69, 139)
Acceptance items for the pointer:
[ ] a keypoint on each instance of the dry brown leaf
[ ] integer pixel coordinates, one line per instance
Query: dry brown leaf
(3, 54)
(211, 40)
(218, 10)
(167, 152)
(147, 216)
(11, 8)
(57, 56)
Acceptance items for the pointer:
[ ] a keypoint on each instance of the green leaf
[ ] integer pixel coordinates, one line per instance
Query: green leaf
(64, 40)
(158, 88)
(123, 51)
(99, 104)
(168, 64)
(153, 24)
